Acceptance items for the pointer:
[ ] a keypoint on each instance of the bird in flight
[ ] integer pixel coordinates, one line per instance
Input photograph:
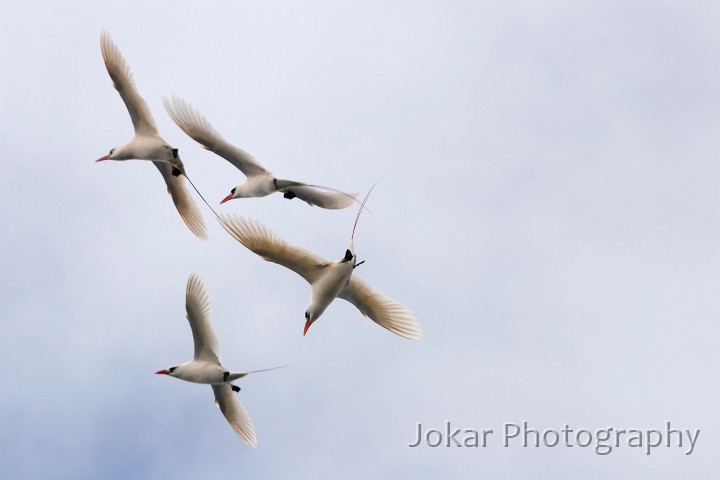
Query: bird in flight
(260, 182)
(206, 366)
(328, 279)
(147, 144)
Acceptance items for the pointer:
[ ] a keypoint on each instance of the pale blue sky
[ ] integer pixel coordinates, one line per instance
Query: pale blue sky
(546, 203)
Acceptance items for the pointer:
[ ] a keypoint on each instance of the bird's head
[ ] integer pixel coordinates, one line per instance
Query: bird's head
(172, 371)
(236, 192)
(109, 156)
(123, 152)
(309, 319)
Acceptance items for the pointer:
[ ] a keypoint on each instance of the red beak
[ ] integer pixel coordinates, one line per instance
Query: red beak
(307, 327)
(229, 197)
(102, 158)
(162, 372)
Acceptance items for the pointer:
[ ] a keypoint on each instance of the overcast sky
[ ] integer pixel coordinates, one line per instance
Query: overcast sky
(547, 204)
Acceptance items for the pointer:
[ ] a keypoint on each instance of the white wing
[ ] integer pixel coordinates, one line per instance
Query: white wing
(384, 311)
(122, 79)
(199, 129)
(235, 413)
(197, 306)
(184, 202)
(323, 199)
(264, 242)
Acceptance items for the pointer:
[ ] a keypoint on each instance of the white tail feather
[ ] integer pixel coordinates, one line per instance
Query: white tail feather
(362, 206)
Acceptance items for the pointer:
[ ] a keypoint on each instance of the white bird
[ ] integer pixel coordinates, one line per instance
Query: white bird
(328, 279)
(260, 182)
(206, 366)
(147, 144)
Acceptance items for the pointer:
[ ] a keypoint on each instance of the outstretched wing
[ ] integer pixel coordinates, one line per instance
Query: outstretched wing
(264, 242)
(199, 129)
(197, 306)
(122, 79)
(383, 310)
(235, 413)
(184, 202)
(323, 198)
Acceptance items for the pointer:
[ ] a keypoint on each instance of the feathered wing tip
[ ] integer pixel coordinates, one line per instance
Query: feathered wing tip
(383, 310)
(197, 127)
(242, 424)
(235, 413)
(262, 241)
(397, 318)
(197, 298)
(122, 80)
(192, 122)
(114, 60)
(252, 234)
(190, 213)
(185, 204)
(330, 199)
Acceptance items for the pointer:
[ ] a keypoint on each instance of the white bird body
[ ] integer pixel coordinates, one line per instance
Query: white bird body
(260, 182)
(206, 366)
(328, 286)
(328, 280)
(198, 371)
(147, 144)
(258, 185)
